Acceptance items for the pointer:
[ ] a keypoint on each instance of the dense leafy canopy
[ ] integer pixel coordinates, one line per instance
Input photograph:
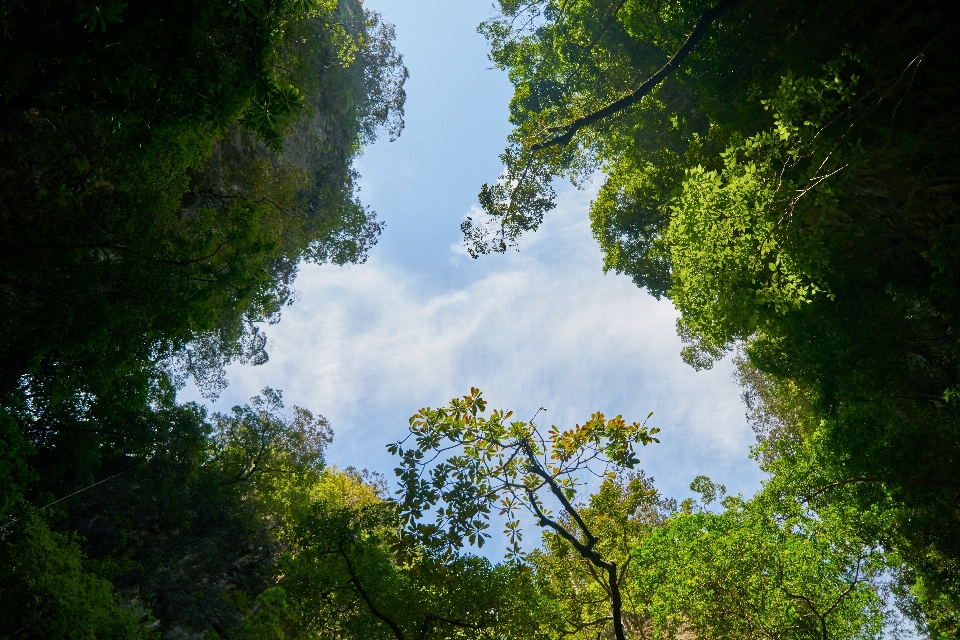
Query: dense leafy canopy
(231, 526)
(166, 169)
(624, 562)
(784, 172)
(790, 186)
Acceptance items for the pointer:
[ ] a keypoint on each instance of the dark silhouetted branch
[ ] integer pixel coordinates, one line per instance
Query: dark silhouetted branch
(567, 131)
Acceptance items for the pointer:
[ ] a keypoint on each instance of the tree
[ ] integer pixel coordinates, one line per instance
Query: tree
(47, 593)
(625, 562)
(791, 187)
(171, 534)
(574, 67)
(166, 169)
(622, 513)
(765, 567)
(233, 525)
(342, 575)
(513, 465)
(150, 206)
(793, 448)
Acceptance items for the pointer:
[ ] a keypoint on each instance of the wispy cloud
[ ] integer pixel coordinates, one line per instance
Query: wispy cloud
(368, 345)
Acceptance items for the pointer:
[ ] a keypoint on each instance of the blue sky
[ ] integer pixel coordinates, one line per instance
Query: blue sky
(421, 322)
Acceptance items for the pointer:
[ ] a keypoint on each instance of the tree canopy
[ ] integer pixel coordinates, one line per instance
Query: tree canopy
(785, 173)
(625, 562)
(168, 166)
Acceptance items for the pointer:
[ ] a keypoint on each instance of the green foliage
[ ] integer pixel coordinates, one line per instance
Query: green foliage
(758, 570)
(163, 178)
(765, 566)
(628, 221)
(496, 462)
(790, 187)
(48, 592)
(621, 514)
(747, 242)
(232, 526)
(164, 526)
(14, 471)
(795, 449)
(166, 167)
(491, 462)
(340, 545)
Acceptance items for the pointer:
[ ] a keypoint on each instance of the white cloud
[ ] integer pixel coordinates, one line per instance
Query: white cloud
(370, 344)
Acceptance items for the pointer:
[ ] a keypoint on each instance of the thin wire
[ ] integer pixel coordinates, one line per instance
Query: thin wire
(70, 496)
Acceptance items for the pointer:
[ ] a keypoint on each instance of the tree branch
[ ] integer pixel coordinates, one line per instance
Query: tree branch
(586, 550)
(538, 469)
(366, 598)
(567, 131)
(578, 627)
(840, 483)
(581, 548)
(856, 581)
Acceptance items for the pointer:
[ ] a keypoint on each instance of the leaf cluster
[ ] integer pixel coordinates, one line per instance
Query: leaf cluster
(464, 465)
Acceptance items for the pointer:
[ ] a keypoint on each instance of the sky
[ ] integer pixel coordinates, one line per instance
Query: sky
(421, 322)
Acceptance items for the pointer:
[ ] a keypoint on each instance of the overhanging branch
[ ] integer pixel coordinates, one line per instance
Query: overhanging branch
(567, 131)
